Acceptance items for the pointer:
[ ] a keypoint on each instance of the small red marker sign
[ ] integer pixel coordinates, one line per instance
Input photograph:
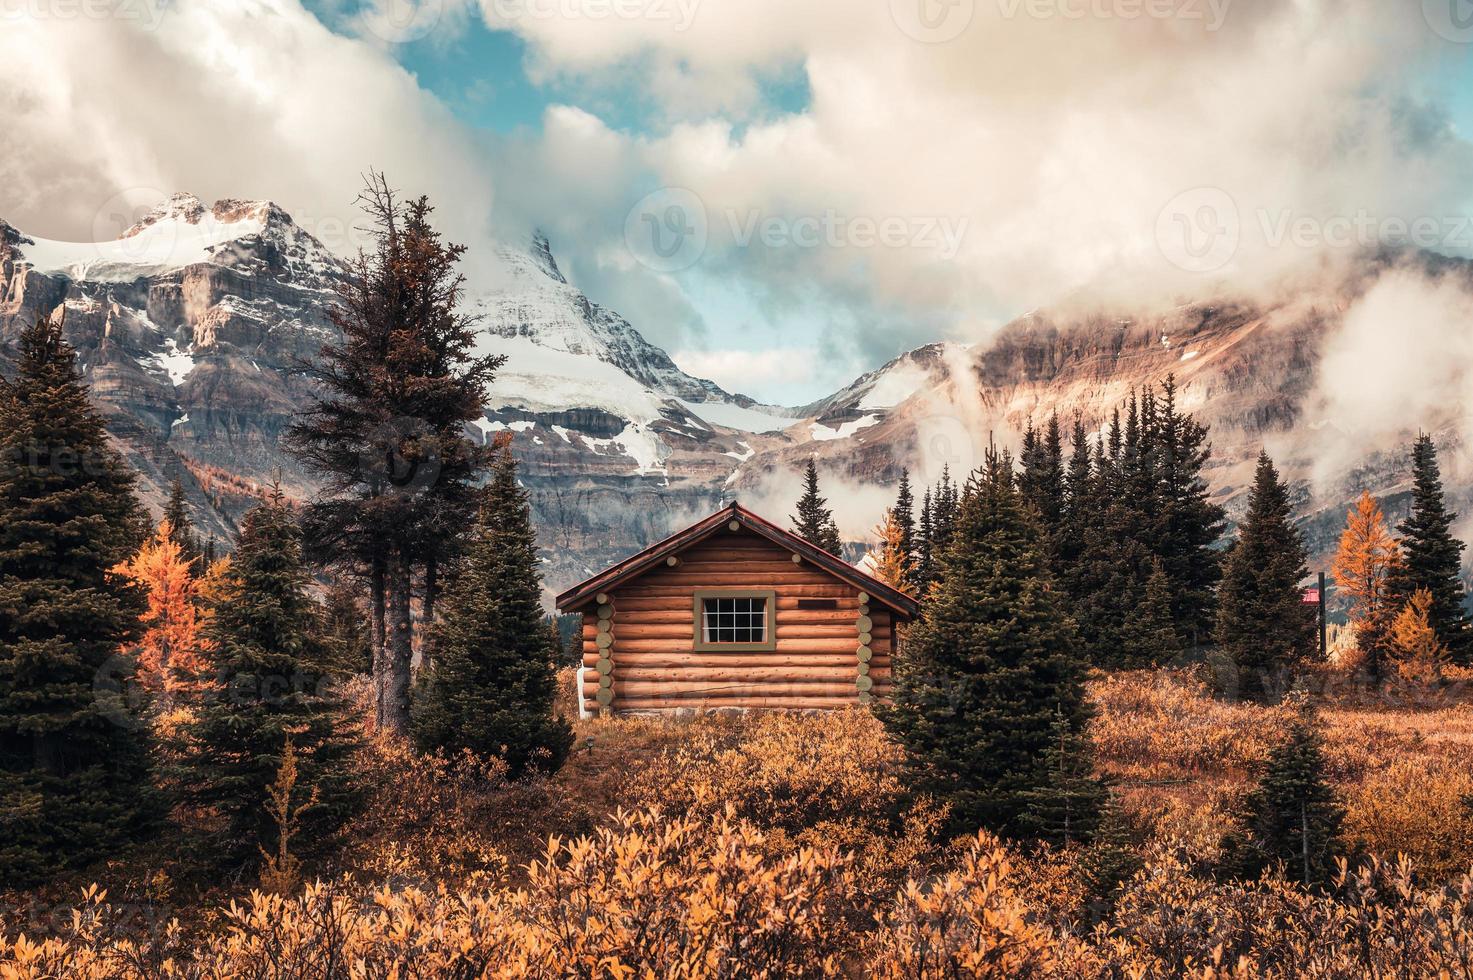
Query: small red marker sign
(1312, 596)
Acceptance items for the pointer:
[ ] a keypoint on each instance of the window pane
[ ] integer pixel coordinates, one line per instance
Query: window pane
(734, 619)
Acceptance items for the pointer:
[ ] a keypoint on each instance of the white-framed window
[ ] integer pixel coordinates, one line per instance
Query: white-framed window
(734, 619)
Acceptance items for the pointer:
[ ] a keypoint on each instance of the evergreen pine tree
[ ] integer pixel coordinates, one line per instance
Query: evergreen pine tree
(991, 663)
(1149, 636)
(176, 513)
(74, 783)
(491, 683)
(268, 684)
(925, 550)
(1432, 558)
(388, 435)
(1292, 815)
(343, 630)
(1066, 807)
(814, 522)
(944, 504)
(1081, 508)
(905, 522)
(1190, 523)
(1263, 625)
(1113, 856)
(1042, 481)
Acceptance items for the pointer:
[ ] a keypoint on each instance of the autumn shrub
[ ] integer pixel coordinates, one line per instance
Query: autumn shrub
(822, 778)
(430, 819)
(1420, 808)
(1167, 724)
(651, 896)
(971, 922)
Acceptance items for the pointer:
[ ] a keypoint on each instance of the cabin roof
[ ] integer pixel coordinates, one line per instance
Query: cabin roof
(655, 555)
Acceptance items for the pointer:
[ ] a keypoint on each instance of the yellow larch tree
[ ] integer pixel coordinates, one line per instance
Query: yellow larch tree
(1367, 556)
(891, 564)
(1420, 655)
(170, 652)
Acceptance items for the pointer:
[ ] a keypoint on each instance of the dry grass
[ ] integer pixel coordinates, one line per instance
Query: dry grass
(791, 845)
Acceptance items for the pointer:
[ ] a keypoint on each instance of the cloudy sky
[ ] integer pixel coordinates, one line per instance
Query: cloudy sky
(783, 193)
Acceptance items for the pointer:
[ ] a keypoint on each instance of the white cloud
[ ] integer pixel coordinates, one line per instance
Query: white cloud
(1051, 144)
(225, 98)
(764, 374)
(1053, 140)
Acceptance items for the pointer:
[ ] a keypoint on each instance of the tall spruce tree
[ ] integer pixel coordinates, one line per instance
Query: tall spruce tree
(1149, 636)
(342, 629)
(1432, 558)
(944, 503)
(1066, 808)
(1190, 523)
(1043, 481)
(269, 684)
(388, 436)
(74, 763)
(814, 522)
(925, 550)
(491, 682)
(991, 665)
(1263, 624)
(181, 528)
(905, 522)
(1292, 816)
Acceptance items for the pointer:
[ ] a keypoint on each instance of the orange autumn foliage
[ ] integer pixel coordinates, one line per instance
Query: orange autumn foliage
(1367, 556)
(1420, 655)
(891, 563)
(171, 650)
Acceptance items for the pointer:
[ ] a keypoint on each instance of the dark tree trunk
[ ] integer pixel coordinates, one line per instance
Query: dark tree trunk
(400, 647)
(432, 587)
(378, 651)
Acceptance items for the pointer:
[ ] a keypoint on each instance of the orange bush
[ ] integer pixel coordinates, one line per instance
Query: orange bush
(830, 777)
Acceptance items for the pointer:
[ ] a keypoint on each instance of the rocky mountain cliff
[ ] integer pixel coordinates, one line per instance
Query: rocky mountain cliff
(194, 325)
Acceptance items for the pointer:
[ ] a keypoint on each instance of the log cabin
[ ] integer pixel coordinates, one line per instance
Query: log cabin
(734, 612)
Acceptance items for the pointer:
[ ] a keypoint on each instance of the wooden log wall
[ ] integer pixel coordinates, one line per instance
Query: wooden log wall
(638, 641)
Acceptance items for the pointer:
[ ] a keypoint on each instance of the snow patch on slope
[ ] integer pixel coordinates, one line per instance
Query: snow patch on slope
(639, 444)
(542, 379)
(822, 433)
(731, 416)
(172, 361)
(895, 385)
(162, 246)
